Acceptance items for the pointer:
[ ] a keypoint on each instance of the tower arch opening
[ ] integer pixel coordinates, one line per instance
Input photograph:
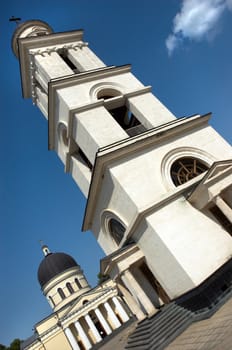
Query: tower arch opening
(119, 110)
(63, 53)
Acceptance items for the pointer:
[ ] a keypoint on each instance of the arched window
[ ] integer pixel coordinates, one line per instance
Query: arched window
(61, 293)
(70, 288)
(78, 283)
(116, 230)
(185, 169)
(51, 301)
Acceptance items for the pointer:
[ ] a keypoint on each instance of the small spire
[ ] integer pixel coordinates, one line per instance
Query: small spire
(44, 248)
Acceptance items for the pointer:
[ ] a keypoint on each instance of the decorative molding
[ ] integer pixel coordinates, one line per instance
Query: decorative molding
(50, 49)
(30, 43)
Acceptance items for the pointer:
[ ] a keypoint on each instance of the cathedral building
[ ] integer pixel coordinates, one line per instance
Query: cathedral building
(158, 188)
(81, 316)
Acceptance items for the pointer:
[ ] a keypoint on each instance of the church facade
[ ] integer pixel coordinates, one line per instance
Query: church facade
(81, 316)
(158, 188)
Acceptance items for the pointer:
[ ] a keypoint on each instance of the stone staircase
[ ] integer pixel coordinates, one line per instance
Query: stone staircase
(157, 332)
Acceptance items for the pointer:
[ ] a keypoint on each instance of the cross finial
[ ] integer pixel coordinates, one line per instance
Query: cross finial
(15, 19)
(44, 248)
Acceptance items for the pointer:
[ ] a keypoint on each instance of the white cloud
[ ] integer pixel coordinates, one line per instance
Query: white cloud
(171, 43)
(196, 20)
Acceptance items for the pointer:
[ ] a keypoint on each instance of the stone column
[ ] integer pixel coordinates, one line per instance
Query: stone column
(224, 207)
(130, 300)
(51, 65)
(138, 293)
(103, 321)
(84, 58)
(93, 328)
(112, 315)
(82, 335)
(120, 309)
(71, 339)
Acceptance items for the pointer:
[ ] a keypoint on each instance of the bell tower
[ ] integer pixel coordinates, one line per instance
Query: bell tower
(158, 188)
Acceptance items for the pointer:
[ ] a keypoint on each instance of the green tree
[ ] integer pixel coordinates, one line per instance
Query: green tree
(102, 278)
(15, 345)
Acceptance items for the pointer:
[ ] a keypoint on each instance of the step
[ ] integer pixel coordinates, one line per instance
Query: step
(170, 319)
(159, 329)
(161, 341)
(156, 322)
(163, 314)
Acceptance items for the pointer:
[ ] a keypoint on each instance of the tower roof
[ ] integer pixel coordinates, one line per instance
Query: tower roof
(29, 28)
(52, 265)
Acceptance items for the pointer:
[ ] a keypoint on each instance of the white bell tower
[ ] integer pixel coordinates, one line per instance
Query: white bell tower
(158, 188)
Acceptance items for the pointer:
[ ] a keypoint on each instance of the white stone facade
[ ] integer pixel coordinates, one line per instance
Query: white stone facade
(124, 148)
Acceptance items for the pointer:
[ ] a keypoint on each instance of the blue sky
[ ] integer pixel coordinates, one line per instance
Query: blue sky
(182, 49)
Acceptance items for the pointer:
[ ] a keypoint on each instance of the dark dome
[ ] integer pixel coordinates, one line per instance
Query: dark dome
(52, 265)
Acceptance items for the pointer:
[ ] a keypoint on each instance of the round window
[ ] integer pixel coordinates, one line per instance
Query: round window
(116, 229)
(185, 169)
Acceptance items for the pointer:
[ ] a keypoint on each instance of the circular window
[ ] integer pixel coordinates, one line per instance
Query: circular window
(107, 93)
(62, 132)
(185, 169)
(106, 90)
(116, 229)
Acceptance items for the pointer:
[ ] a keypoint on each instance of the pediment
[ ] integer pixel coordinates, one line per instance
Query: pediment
(217, 178)
(88, 300)
(218, 168)
(120, 260)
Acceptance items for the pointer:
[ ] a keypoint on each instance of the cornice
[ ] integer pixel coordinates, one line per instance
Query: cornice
(131, 145)
(26, 44)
